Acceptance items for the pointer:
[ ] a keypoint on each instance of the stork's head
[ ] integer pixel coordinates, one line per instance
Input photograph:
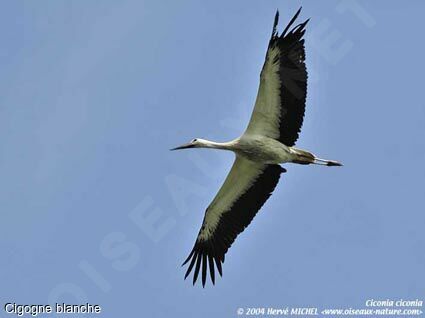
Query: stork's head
(194, 143)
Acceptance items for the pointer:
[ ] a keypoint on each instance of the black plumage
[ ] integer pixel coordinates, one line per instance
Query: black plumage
(293, 78)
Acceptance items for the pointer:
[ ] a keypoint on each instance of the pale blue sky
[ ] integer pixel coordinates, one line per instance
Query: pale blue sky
(95, 208)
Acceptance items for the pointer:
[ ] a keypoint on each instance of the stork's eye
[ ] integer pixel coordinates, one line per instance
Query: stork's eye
(195, 140)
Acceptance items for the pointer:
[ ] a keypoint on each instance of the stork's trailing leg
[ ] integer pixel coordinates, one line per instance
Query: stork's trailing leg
(305, 158)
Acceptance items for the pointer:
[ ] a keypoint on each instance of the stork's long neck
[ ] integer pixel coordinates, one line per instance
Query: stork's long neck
(218, 145)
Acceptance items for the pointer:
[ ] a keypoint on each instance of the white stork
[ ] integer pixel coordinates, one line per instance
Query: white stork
(267, 142)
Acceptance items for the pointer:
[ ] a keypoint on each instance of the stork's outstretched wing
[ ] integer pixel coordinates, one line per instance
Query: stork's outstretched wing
(246, 188)
(279, 108)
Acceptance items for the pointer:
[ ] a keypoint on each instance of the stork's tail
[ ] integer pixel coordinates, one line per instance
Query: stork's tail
(305, 158)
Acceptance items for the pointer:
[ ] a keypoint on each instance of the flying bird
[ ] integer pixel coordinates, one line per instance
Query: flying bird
(267, 142)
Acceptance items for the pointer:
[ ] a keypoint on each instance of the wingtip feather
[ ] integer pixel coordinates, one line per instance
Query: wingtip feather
(189, 257)
(189, 269)
(276, 21)
(218, 264)
(212, 272)
(197, 267)
(204, 269)
(291, 22)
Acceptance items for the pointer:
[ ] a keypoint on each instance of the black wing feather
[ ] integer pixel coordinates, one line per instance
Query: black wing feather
(293, 78)
(232, 223)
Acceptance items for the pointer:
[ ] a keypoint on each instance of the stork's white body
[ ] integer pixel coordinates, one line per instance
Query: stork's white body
(256, 148)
